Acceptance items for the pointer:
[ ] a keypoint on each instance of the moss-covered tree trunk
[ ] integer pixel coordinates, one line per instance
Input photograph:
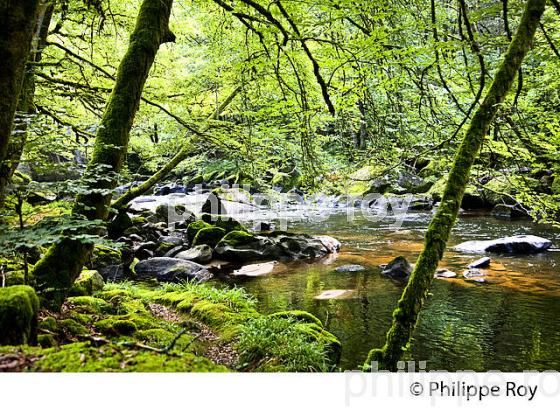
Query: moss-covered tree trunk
(58, 269)
(26, 99)
(17, 21)
(406, 314)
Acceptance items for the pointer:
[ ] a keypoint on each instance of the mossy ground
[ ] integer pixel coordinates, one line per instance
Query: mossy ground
(186, 328)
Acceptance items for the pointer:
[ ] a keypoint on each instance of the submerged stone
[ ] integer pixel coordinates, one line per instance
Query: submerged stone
(334, 294)
(256, 269)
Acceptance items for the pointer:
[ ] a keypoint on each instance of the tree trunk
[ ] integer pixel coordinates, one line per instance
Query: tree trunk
(58, 269)
(17, 21)
(182, 155)
(406, 314)
(26, 100)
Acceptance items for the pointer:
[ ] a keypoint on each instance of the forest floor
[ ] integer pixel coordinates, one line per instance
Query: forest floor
(174, 328)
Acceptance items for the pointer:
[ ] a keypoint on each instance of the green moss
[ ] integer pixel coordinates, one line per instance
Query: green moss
(72, 328)
(298, 315)
(46, 341)
(282, 344)
(556, 185)
(89, 304)
(103, 256)
(116, 327)
(139, 220)
(209, 236)
(16, 277)
(194, 227)
(88, 282)
(82, 357)
(237, 238)
(49, 323)
(18, 315)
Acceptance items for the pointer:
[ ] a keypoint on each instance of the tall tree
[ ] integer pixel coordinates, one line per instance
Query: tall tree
(17, 22)
(26, 99)
(406, 314)
(58, 269)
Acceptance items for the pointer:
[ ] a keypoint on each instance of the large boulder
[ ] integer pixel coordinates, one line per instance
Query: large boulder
(18, 315)
(505, 211)
(171, 270)
(367, 180)
(413, 184)
(194, 227)
(209, 236)
(244, 246)
(519, 244)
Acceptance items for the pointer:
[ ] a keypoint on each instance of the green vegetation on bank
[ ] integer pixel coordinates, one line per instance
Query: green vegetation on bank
(196, 328)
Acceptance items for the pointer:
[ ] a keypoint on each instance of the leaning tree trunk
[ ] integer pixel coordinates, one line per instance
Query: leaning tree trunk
(58, 269)
(182, 155)
(26, 100)
(17, 22)
(406, 314)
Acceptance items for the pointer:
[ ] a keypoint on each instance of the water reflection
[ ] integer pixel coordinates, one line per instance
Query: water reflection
(509, 323)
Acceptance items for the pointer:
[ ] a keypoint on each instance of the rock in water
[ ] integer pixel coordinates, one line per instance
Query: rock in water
(350, 268)
(445, 274)
(171, 270)
(519, 244)
(332, 244)
(480, 263)
(472, 273)
(398, 268)
(255, 269)
(199, 254)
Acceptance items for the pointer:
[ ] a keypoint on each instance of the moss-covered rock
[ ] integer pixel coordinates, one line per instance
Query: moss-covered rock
(209, 236)
(224, 222)
(194, 227)
(238, 238)
(116, 327)
(119, 224)
(88, 282)
(104, 256)
(298, 315)
(18, 315)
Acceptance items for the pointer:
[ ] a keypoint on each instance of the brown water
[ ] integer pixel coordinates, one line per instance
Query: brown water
(509, 323)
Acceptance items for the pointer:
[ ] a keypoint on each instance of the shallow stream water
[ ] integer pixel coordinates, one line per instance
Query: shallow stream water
(509, 323)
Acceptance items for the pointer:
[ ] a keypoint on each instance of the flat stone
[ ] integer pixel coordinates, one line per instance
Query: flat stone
(256, 269)
(350, 268)
(472, 273)
(444, 274)
(480, 263)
